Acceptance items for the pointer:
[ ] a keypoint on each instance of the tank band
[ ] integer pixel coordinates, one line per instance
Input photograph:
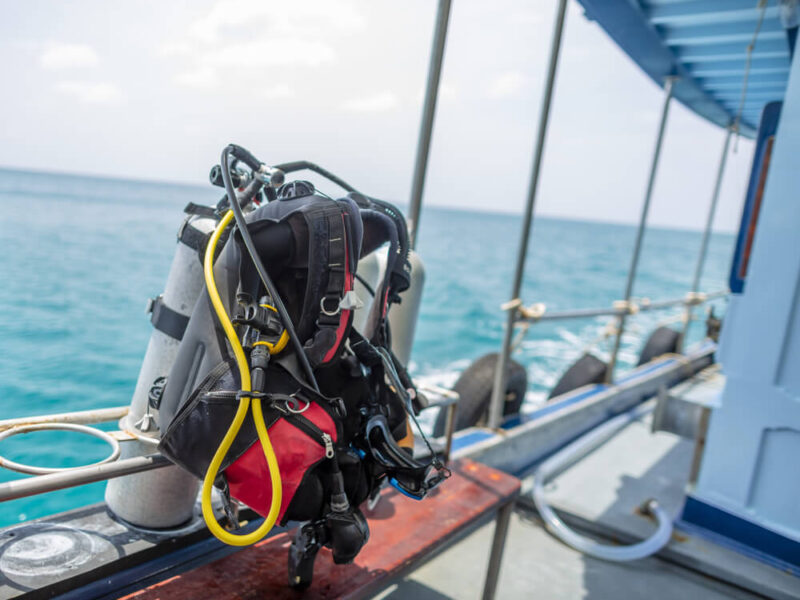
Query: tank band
(165, 319)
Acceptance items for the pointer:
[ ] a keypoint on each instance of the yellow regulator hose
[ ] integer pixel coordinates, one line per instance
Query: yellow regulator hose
(244, 404)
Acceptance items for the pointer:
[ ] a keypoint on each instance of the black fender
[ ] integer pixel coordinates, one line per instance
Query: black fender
(587, 369)
(663, 340)
(475, 388)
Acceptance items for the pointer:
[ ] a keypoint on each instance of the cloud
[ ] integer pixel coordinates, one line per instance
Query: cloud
(68, 56)
(241, 38)
(276, 91)
(274, 18)
(526, 16)
(506, 84)
(200, 78)
(175, 48)
(272, 53)
(379, 102)
(447, 92)
(90, 92)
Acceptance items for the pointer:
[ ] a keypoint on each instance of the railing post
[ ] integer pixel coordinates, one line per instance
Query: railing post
(701, 259)
(428, 111)
(637, 248)
(501, 374)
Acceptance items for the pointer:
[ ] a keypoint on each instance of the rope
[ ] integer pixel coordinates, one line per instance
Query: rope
(762, 6)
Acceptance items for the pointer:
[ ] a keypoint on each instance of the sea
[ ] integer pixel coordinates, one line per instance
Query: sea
(81, 256)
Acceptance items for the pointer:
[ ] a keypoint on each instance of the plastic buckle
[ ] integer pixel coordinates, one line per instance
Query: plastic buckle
(339, 407)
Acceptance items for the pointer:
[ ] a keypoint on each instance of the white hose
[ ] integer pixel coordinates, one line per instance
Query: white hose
(574, 452)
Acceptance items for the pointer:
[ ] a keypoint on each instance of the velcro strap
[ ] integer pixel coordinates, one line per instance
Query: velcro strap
(365, 352)
(166, 320)
(190, 236)
(199, 209)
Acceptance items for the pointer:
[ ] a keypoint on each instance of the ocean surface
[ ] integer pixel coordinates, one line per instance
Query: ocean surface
(82, 255)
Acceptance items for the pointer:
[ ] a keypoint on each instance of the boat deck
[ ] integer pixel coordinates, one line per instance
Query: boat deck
(600, 495)
(536, 565)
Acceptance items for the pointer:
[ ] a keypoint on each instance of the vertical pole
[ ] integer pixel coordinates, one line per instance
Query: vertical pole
(701, 259)
(496, 553)
(501, 374)
(637, 248)
(428, 111)
(449, 429)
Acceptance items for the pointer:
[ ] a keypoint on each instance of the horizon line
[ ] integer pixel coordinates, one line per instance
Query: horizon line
(471, 209)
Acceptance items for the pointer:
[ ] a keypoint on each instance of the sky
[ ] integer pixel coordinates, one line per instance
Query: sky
(154, 90)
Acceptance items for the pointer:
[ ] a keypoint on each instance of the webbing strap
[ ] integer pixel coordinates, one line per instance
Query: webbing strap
(166, 320)
(331, 319)
(199, 209)
(190, 236)
(334, 291)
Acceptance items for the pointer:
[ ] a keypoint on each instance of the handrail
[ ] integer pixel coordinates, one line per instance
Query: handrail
(73, 477)
(31, 486)
(632, 307)
(82, 417)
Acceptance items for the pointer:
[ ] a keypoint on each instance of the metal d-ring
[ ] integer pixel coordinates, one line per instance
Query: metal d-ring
(293, 404)
(327, 312)
(31, 470)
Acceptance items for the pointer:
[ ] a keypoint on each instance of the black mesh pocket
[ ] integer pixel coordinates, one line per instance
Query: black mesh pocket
(201, 422)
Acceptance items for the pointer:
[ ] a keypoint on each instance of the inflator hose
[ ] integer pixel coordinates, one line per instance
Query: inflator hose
(241, 413)
(259, 265)
(303, 165)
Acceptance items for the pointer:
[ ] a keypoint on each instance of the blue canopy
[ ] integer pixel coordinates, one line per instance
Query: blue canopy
(704, 44)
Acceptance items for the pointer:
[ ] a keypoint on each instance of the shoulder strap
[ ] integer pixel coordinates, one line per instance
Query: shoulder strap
(331, 263)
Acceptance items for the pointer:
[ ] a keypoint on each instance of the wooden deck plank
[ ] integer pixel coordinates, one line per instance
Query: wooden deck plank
(403, 532)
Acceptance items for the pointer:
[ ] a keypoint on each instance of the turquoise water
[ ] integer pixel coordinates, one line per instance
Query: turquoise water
(81, 256)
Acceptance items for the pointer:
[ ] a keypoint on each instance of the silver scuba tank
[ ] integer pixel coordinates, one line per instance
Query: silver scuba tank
(403, 316)
(163, 498)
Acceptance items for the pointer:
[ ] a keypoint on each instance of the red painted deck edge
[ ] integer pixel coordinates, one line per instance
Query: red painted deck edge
(402, 532)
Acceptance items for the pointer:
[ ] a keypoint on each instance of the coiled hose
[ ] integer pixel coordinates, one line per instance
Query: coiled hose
(568, 456)
(241, 413)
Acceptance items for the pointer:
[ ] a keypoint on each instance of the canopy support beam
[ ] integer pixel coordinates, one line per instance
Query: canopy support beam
(501, 373)
(428, 112)
(701, 259)
(637, 248)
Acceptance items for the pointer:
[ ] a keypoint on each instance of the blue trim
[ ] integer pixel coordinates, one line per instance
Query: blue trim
(556, 406)
(517, 420)
(472, 437)
(395, 485)
(750, 539)
(656, 35)
(767, 128)
(476, 436)
(644, 370)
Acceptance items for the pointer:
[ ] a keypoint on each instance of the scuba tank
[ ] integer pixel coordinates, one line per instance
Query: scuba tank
(274, 398)
(403, 317)
(163, 498)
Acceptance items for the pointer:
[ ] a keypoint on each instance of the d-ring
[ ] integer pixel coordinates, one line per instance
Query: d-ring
(293, 405)
(328, 312)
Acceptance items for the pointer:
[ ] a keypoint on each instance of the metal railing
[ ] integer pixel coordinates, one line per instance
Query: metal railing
(76, 476)
(72, 477)
(538, 312)
(625, 306)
